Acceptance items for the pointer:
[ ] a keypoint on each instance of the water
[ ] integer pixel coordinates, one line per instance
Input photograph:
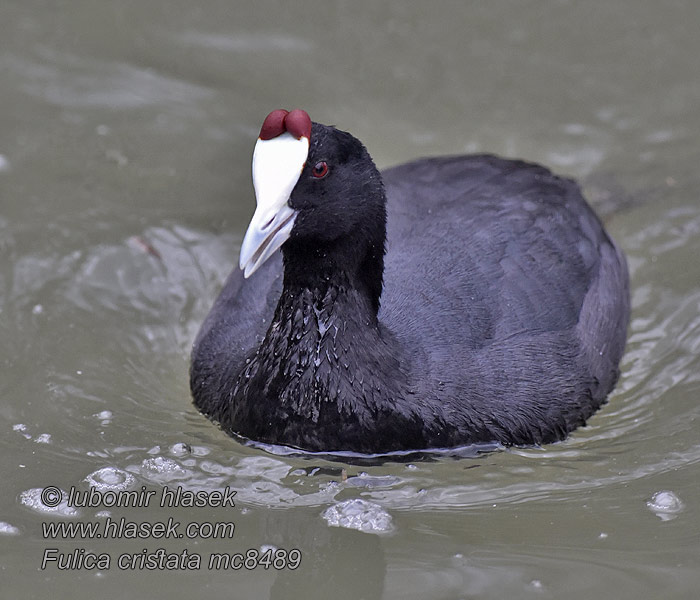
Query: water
(126, 131)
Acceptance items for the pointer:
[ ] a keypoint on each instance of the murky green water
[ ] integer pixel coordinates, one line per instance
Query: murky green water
(126, 130)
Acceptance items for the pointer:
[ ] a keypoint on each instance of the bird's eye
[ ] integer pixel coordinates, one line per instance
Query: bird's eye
(320, 169)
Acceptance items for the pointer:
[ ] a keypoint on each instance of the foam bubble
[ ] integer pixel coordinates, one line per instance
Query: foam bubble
(110, 478)
(665, 505)
(32, 499)
(7, 529)
(359, 514)
(105, 417)
(180, 449)
(163, 469)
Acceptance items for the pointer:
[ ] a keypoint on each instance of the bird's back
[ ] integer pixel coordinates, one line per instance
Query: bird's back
(506, 291)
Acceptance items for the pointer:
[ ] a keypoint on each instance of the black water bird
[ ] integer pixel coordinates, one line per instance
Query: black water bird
(444, 302)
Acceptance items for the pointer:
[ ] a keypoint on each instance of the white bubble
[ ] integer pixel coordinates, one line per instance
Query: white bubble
(44, 438)
(359, 514)
(180, 449)
(22, 428)
(110, 478)
(105, 417)
(32, 499)
(665, 505)
(7, 529)
(163, 469)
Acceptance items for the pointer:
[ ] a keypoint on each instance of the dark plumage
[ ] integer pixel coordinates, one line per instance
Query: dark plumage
(502, 315)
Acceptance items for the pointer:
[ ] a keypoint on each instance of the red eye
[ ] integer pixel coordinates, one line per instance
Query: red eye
(320, 169)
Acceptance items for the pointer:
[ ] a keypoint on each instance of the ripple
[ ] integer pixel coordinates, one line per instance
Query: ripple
(73, 81)
(262, 467)
(247, 42)
(373, 481)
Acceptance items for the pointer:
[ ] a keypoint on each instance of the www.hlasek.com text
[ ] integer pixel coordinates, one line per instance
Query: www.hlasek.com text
(122, 528)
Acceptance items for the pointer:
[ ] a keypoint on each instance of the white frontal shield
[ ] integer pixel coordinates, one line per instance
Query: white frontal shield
(277, 165)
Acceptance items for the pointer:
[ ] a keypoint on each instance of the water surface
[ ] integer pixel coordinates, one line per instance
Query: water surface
(126, 131)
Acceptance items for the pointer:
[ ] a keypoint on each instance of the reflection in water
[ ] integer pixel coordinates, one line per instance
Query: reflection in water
(338, 563)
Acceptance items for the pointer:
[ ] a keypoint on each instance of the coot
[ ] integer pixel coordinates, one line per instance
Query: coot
(445, 302)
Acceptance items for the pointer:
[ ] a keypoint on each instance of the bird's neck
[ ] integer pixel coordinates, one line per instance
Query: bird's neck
(353, 266)
(325, 368)
(325, 336)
